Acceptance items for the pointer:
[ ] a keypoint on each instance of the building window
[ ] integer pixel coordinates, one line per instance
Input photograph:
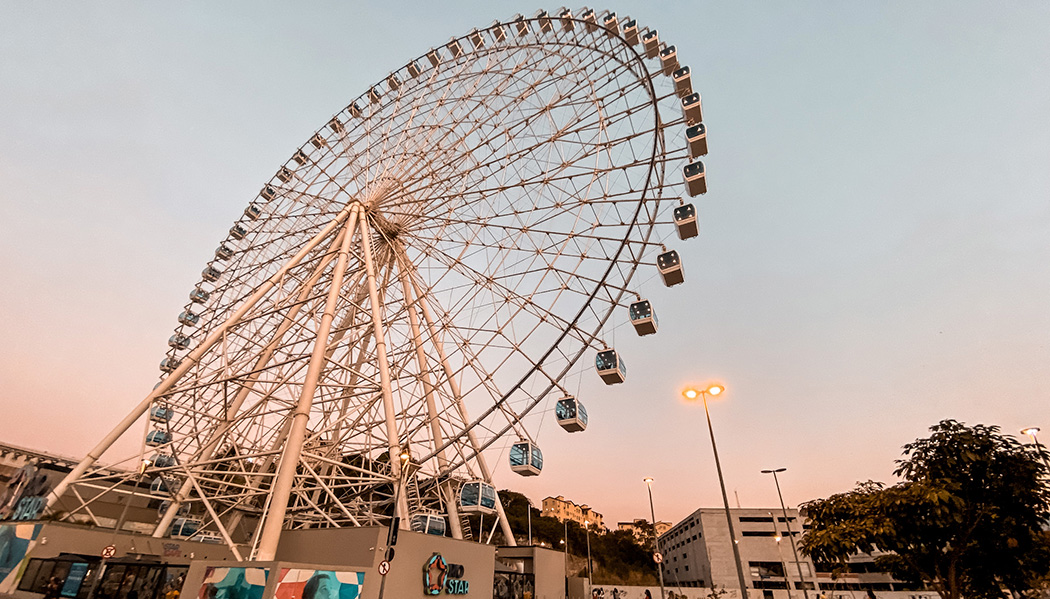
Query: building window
(757, 519)
(758, 533)
(766, 570)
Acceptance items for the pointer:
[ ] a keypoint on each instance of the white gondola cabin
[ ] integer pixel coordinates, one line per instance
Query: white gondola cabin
(284, 174)
(354, 110)
(669, 60)
(393, 82)
(199, 296)
(253, 212)
(545, 21)
(590, 19)
(630, 32)
(696, 137)
(477, 497)
(223, 252)
(169, 364)
(499, 32)
(317, 141)
(183, 510)
(670, 266)
(268, 193)
(238, 232)
(566, 20)
(429, 524)
(521, 26)
(651, 41)
(300, 157)
(161, 486)
(374, 96)
(434, 57)
(571, 414)
(336, 125)
(610, 367)
(455, 48)
(695, 178)
(686, 222)
(476, 39)
(611, 24)
(692, 109)
(162, 460)
(156, 438)
(188, 318)
(526, 458)
(683, 82)
(178, 341)
(184, 528)
(161, 414)
(413, 69)
(211, 274)
(643, 317)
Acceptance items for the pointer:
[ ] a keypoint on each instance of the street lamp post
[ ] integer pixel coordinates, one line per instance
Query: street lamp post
(780, 554)
(791, 536)
(1032, 431)
(656, 538)
(587, 525)
(703, 393)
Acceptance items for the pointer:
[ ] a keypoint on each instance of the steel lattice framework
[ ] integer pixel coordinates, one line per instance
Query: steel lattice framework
(419, 276)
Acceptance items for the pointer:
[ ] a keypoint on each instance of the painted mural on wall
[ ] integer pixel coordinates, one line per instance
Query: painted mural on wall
(25, 494)
(16, 540)
(233, 583)
(319, 584)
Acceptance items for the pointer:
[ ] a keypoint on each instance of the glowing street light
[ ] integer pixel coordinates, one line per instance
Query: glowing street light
(791, 536)
(656, 538)
(1032, 431)
(714, 390)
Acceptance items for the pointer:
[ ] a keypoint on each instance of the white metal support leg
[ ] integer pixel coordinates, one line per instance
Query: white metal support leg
(282, 485)
(393, 441)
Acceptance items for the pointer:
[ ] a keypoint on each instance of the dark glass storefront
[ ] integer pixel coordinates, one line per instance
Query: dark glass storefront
(120, 580)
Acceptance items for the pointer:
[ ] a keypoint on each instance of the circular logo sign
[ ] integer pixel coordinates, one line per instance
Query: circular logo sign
(658, 557)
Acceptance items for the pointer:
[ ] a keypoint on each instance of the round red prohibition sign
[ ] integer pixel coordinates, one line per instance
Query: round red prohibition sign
(384, 568)
(658, 557)
(109, 551)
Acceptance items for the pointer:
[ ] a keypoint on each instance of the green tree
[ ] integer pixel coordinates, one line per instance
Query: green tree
(966, 519)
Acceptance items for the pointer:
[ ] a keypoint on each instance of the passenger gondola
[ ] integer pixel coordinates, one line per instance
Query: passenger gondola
(157, 437)
(670, 267)
(651, 41)
(567, 23)
(683, 82)
(686, 222)
(178, 341)
(610, 366)
(162, 460)
(223, 252)
(630, 32)
(696, 137)
(169, 364)
(571, 414)
(199, 296)
(695, 178)
(161, 414)
(477, 497)
(184, 528)
(189, 318)
(643, 317)
(526, 458)
(588, 17)
(211, 274)
(669, 60)
(429, 524)
(611, 24)
(161, 486)
(692, 108)
(238, 232)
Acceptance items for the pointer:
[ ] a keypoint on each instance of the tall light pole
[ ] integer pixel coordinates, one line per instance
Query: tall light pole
(780, 554)
(656, 538)
(791, 536)
(715, 390)
(587, 525)
(1032, 431)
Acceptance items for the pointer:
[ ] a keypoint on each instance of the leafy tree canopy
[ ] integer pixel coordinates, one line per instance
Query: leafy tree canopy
(967, 518)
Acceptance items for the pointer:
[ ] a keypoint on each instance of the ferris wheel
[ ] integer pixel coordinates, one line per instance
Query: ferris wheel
(413, 286)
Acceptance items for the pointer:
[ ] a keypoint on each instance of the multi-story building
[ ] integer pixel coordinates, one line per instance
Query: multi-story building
(563, 509)
(642, 529)
(697, 552)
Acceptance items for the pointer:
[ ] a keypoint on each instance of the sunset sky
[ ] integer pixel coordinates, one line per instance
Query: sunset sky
(874, 252)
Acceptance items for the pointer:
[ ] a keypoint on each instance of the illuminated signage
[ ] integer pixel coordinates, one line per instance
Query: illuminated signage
(439, 574)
